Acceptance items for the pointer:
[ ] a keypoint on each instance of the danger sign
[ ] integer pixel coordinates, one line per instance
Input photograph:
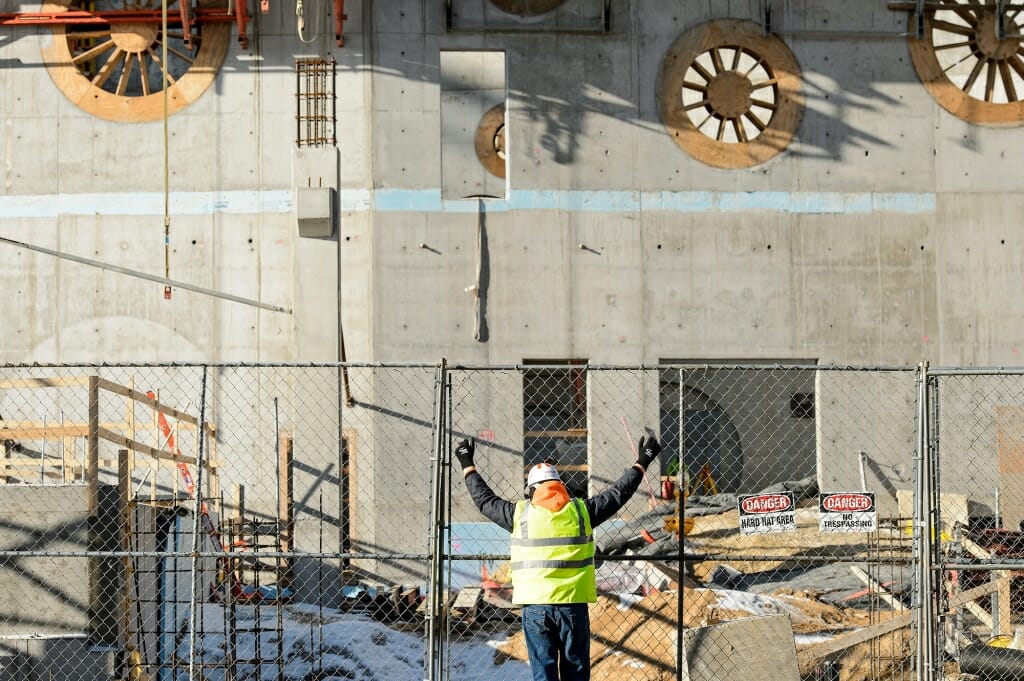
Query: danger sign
(766, 513)
(847, 512)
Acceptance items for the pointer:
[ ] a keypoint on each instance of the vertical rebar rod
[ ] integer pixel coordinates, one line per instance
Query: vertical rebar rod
(197, 524)
(279, 560)
(231, 633)
(320, 590)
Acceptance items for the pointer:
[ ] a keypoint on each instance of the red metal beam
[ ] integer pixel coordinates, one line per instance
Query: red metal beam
(339, 21)
(242, 17)
(83, 18)
(185, 9)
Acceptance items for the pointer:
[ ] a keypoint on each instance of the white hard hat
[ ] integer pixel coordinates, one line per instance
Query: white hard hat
(542, 472)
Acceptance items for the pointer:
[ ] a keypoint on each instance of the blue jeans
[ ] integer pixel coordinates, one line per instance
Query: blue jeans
(558, 641)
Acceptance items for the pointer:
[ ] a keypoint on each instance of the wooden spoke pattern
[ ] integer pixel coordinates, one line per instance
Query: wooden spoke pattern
(118, 72)
(969, 68)
(123, 58)
(730, 95)
(717, 91)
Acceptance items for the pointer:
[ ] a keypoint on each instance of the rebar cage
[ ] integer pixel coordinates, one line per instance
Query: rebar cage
(272, 522)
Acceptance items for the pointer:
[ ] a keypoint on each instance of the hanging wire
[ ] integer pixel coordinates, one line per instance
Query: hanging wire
(300, 13)
(166, 67)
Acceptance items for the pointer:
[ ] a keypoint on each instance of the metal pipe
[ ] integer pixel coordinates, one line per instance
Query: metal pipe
(681, 486)
(979, 371)
(435, 540)
(145, 275)
(994, 564)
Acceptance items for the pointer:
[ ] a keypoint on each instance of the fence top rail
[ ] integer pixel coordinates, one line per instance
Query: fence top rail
(975, 371)
(681, 366)
(219, 365)
(684, 366)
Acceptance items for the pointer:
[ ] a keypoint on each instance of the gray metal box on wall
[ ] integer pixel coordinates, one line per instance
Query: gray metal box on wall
(314, 211)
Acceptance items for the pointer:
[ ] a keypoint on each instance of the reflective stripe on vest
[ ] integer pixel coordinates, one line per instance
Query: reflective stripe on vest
(552, 555)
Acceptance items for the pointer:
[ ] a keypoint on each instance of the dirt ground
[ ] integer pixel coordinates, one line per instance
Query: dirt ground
(637, 642)
(719, 534)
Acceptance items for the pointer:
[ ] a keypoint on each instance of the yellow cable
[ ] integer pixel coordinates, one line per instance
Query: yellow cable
(167, 193)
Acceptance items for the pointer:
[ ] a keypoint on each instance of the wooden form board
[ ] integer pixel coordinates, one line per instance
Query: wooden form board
(72, 463)
(1010, 458)
(809, 656)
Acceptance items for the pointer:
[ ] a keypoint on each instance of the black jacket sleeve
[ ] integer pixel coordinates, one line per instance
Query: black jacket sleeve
(490, 504)
(603, 506)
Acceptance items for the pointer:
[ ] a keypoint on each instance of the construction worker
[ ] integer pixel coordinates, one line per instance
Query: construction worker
(553, 556)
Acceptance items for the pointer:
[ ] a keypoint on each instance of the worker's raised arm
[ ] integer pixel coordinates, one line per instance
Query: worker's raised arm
(603, 506)
(493, 507)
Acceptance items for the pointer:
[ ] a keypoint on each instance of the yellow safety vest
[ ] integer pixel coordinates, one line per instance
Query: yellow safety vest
(552, 555)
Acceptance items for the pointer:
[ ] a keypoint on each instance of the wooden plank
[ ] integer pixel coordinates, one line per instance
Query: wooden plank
(285, 515)
(570, 433)
(33, 461)
(976, 592)
(565, 469)
(877, 588)
(809, 655)
(26, 430)
(111, 436)
(23, 472)
(1001, 607)
(51, 382)
(92, 468)
(144, 399)
(468, 599)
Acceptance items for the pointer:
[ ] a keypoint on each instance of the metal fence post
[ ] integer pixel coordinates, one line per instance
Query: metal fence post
(923, 528)
(436, 603)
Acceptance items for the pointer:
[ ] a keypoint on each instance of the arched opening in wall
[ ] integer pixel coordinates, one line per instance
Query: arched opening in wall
(969, 59)
(527, 8)
(697, 429)
(729, 95)
(118, 72)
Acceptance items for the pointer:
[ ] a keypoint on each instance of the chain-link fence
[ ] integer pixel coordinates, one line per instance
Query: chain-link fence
(974, 498)
(276, 522)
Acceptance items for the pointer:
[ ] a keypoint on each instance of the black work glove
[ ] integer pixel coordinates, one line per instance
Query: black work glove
(464, 452)
(648, 450)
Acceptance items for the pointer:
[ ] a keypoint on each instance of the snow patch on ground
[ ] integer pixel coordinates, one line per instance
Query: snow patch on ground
(325, 645)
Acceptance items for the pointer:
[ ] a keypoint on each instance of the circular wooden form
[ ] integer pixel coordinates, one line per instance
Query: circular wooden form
(967, 68)
(527, 8)
(729, 95)
(490, 141)
(129, 47)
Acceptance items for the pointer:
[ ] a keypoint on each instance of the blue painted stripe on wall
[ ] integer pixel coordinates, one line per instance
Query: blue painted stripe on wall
(429, 201)
(145, 203)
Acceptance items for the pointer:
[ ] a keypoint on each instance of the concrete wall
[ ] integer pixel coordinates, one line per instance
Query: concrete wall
(886, 233)
(69, 596)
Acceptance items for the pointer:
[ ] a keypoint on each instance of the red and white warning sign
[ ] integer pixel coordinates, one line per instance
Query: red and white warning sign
(766, 513)
(847, 512)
